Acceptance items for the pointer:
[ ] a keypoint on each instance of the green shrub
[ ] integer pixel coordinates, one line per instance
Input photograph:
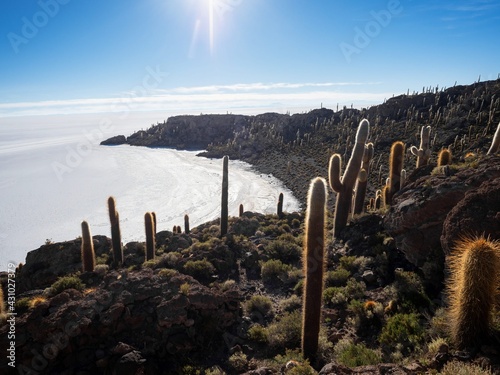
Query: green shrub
(200, 269)
(23, 304)
(167, 273)
(338, 277)
(410, 290)
(238, 362)
(355, 289)
(66, 282)
(286, 332)
(347, 262)
(404, 329)
(274, 270)
(335, 295)
(287, 252)
(292, 303)
(258, 334)
(260, 304)
(352, 355)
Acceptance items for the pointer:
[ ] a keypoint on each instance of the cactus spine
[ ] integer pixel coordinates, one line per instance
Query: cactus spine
(225, 193)
(280, 206)
(495, 144)
(313, 260)
(444, 157)
(186, 224)
(362, 183)
(150, 236)
(345, 187)
(116, 241)
(395, 168)
(88, 255)
(423, 152)
(472, 288)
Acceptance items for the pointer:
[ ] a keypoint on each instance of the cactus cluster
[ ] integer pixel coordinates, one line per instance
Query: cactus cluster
(423, 153)
(344, 186)
(313, 261)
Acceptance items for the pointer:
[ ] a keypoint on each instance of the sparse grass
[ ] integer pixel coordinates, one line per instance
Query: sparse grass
(184, 289)
(460, 368)
(36, 300)
(167, 273)
(238, 362)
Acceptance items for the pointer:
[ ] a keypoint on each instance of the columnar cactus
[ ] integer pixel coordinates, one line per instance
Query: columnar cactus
(88, 255)
(280, 206)
(116, 241)
(241, 210)
(313, 261)
(444, 157)
(472, 288)
(423, 153)
(153, 214)
(359, 195)
(362, 183)
(225, 196)
(150, 236)
(186, 224)
(403, 179)
(378, 199)
(395, 168)
(495, 144)
(345, 187)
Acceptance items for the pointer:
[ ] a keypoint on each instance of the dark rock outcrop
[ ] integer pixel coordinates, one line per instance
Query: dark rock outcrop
(132, 322)
(477, 214)
(115, 141)
(419, 211)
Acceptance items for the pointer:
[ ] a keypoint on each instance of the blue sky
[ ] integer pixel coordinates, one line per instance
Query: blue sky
(192, 56)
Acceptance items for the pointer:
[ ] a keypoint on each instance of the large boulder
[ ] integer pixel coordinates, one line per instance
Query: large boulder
(475, 215)
(419, 210)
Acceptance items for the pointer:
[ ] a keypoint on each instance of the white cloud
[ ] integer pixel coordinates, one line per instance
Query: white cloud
(220, 98)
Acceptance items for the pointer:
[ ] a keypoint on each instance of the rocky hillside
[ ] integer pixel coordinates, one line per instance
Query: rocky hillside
(213, 305)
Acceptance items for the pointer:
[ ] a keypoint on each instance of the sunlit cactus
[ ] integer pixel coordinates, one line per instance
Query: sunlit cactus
(313, 261)
(345, 186)
(423, 153)
(472, 289)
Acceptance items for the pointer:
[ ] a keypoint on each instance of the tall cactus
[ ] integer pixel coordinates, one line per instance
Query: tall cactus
(225, 196)
(444, 157)
(362, 183)
(313, 261)
(423, 153)
(186, 224)
(88, 254)
(280, 206)
(472, 288)
(116, 240)
(495, 144)
(242, 210)
(395, 168)
(345, 186)
(150, 236)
